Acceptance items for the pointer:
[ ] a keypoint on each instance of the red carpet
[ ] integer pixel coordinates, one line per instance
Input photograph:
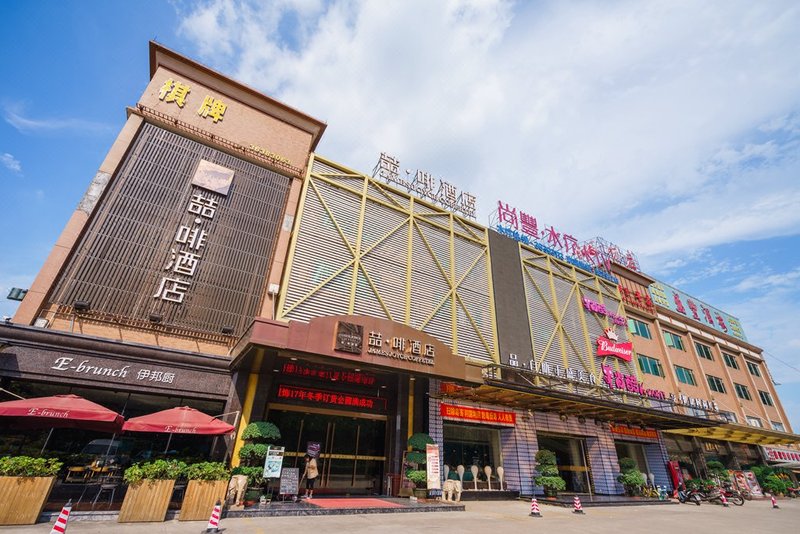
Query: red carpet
(354, 503)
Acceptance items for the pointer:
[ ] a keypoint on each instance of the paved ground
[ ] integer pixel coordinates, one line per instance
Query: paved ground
(504, 517)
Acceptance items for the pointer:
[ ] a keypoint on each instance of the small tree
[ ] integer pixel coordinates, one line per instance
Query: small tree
(630, 476)
(258, 435)
(548, 476)
(418, 455)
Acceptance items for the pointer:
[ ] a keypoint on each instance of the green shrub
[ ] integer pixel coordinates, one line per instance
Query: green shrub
(155, 470)
(419, 478)
(255, 475)
(632, 480)
(627, 464)
(208, 471)
(416, 457)
(253, 453)
(25, 466)
(551, 483)
(775, 485)
(418, 441)
(261, 432)
(548, 476)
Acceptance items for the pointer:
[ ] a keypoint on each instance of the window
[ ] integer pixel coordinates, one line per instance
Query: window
(753, 368)
(778, 426)
(715, 384)
(766, 398)
(730, 360)
(649, 365)
(742, 392)
(673, 340)
(754, 421)
(729, 416)
(685, 375)
(704, 351)
(639, 328)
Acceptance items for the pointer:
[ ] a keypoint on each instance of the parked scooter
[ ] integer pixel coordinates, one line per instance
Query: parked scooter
(688, 496)
(733, 495)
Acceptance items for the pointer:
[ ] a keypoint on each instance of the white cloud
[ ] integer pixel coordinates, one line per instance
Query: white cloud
(11, 163)
(669, 127)
(13, 115)
(598, 117)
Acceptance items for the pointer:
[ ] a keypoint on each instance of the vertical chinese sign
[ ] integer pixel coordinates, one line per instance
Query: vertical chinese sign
(210, 183)
(433, 466)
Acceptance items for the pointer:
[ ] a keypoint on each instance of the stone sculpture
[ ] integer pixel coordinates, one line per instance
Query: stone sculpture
(500, 472)
(451, 487)
(488, 472)
(474, 470)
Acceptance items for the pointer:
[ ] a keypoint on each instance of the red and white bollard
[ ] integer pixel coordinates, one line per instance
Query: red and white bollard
(535, 508)
(774, 502)
(723, 499)
(60, 526)
(576, 503)
(213, 521)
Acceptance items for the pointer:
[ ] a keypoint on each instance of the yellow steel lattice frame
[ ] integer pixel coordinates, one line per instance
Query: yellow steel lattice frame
(365, 189)
(533, 259)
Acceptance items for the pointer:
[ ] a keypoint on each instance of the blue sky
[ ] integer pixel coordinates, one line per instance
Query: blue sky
(668, 127)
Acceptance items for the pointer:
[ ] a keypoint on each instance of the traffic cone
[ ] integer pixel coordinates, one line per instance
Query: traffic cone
(774, 502)
(213, 521)
(535, 508)
(723, 499)
(60, 527)
(576, 503)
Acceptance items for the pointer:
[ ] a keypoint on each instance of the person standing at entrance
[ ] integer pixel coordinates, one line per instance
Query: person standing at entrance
(310, 474)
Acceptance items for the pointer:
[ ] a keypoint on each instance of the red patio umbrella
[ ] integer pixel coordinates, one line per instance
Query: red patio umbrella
(59, 411)
(180, 420)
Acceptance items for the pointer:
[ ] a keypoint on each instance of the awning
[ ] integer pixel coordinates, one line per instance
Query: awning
(59, 411)
(554, 395)
(741, 434)
(181, 420)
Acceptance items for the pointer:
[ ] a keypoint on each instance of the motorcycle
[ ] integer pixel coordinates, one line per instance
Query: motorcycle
(688, 496)
(733, 496)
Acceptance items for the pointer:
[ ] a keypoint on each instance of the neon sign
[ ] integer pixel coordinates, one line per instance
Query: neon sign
(592, 256)
(333, 398)
(676, 300)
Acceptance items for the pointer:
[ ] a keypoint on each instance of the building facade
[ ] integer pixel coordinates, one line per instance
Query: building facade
(217, 261)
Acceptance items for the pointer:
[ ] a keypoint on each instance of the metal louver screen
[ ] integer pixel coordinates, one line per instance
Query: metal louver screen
(120, 261)
(406, 264)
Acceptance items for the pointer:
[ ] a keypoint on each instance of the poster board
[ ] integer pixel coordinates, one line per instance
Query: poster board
(433, 466)
(290, 481)
(273, 462)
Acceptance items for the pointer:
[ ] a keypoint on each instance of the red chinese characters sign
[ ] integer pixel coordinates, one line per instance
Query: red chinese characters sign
(478, 415)
(331, 398)
(624, 430)
(332, 375)
(781, 455)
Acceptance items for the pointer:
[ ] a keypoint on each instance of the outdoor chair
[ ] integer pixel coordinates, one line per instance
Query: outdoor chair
(109, 486)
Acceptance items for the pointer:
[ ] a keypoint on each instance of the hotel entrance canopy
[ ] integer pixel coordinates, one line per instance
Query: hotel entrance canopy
(741, 434)
(523, 389)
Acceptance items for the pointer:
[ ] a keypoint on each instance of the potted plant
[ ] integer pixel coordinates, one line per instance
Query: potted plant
(150, 487)
(630, 477)
(548, 473)
(258, 435)
(25, 484)
(420, 479)
(416, 459)
(208, 483)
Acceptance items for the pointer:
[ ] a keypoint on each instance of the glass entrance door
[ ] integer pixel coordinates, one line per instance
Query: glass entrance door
(351, 448)
(571, 460)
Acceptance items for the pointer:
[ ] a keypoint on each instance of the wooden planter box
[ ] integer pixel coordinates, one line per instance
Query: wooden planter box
(146, 501)
(22, 499)
(200, 498)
